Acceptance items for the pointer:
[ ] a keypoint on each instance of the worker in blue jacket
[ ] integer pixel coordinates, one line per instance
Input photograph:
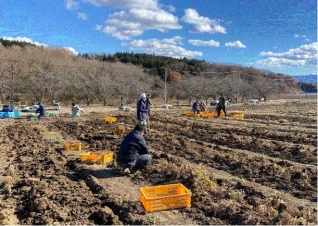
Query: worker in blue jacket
(134, 153)
(41, 110)
(142, 111)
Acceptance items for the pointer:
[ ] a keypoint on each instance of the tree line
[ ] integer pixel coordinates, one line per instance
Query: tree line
(29, 74)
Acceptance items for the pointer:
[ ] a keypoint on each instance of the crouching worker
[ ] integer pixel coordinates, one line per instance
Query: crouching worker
(76, 110)
(134, 153)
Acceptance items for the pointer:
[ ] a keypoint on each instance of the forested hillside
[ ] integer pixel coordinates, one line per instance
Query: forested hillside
(29, 74)
(8, 43)
(308, 83)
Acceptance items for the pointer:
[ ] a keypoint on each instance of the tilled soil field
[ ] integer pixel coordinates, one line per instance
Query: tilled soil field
(258, 170)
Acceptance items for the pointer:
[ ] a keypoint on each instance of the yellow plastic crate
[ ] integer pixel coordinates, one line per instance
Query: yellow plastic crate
(119, 131)
(239, 116)
(188, 113)
(221, 114)
(110, 119)
(194, 115)
(209, 114)
(92, 157)
(73, 146)
(191, 114)
(165, 197)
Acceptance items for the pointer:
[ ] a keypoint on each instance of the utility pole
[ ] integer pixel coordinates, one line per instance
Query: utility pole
(165, 85)
(238, 86)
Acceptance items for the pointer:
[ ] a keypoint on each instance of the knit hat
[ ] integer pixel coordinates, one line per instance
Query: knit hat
(142, 95)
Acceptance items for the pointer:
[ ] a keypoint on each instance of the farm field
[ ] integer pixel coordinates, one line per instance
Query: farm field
(258, 170)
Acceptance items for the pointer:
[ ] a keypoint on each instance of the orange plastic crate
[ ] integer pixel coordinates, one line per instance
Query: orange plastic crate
(195, 115)
(110, 119)
(165, 197)
(188, 113)
(191, 114)
(92, 157)
(221, 114)
(209, 114)
(119, 131)
(239, 116)
(73, 146)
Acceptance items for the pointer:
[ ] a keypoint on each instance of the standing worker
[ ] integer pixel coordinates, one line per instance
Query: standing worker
(148, 103)
(195, 107)
(41, 110)
(221, 105)
(134, 153)
(142, 111)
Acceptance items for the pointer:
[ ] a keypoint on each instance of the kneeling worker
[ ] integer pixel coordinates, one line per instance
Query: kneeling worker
(76, 110)
(134, 153)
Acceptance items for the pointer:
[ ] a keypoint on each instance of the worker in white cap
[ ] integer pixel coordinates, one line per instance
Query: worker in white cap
(142, 110)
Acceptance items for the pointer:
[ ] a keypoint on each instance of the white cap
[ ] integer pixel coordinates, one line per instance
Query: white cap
(142, 95)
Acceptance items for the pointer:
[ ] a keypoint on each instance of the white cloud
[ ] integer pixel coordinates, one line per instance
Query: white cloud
(304, 52)
(82, 16)
(170, 8)
(99, 27)
(202, 24)
(137, 17)
(24, 39)
(164, 47)
(279, 62)
(126, 4)
(197, 42)
(236, 44)
(304, 37)
(71, 4)
(305, 55)
(124, 25)
(71, 50)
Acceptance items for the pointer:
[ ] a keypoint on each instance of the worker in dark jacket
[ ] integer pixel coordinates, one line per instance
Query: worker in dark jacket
(142, 111)
(148, 103)
(134, 153)
(221, 105)
(195, 107)
(41, 110)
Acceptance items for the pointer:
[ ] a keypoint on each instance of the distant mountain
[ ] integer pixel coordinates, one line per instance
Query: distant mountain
(306, 78)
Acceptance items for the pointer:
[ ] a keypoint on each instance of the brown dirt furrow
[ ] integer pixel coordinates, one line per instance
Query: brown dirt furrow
(123, 197)
(254, 168)
(269, 132)
(301, 153)
(260, 170)
(267, 191)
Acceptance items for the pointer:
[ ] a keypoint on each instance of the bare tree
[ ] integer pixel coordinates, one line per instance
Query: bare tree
(105, 84)
(189, 84)
(12, 67)
(129, 82)
(86, 82)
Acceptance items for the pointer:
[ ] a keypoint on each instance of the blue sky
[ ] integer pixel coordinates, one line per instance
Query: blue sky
(278, 35)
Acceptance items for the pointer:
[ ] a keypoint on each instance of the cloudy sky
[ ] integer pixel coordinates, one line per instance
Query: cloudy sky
(278, 35)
